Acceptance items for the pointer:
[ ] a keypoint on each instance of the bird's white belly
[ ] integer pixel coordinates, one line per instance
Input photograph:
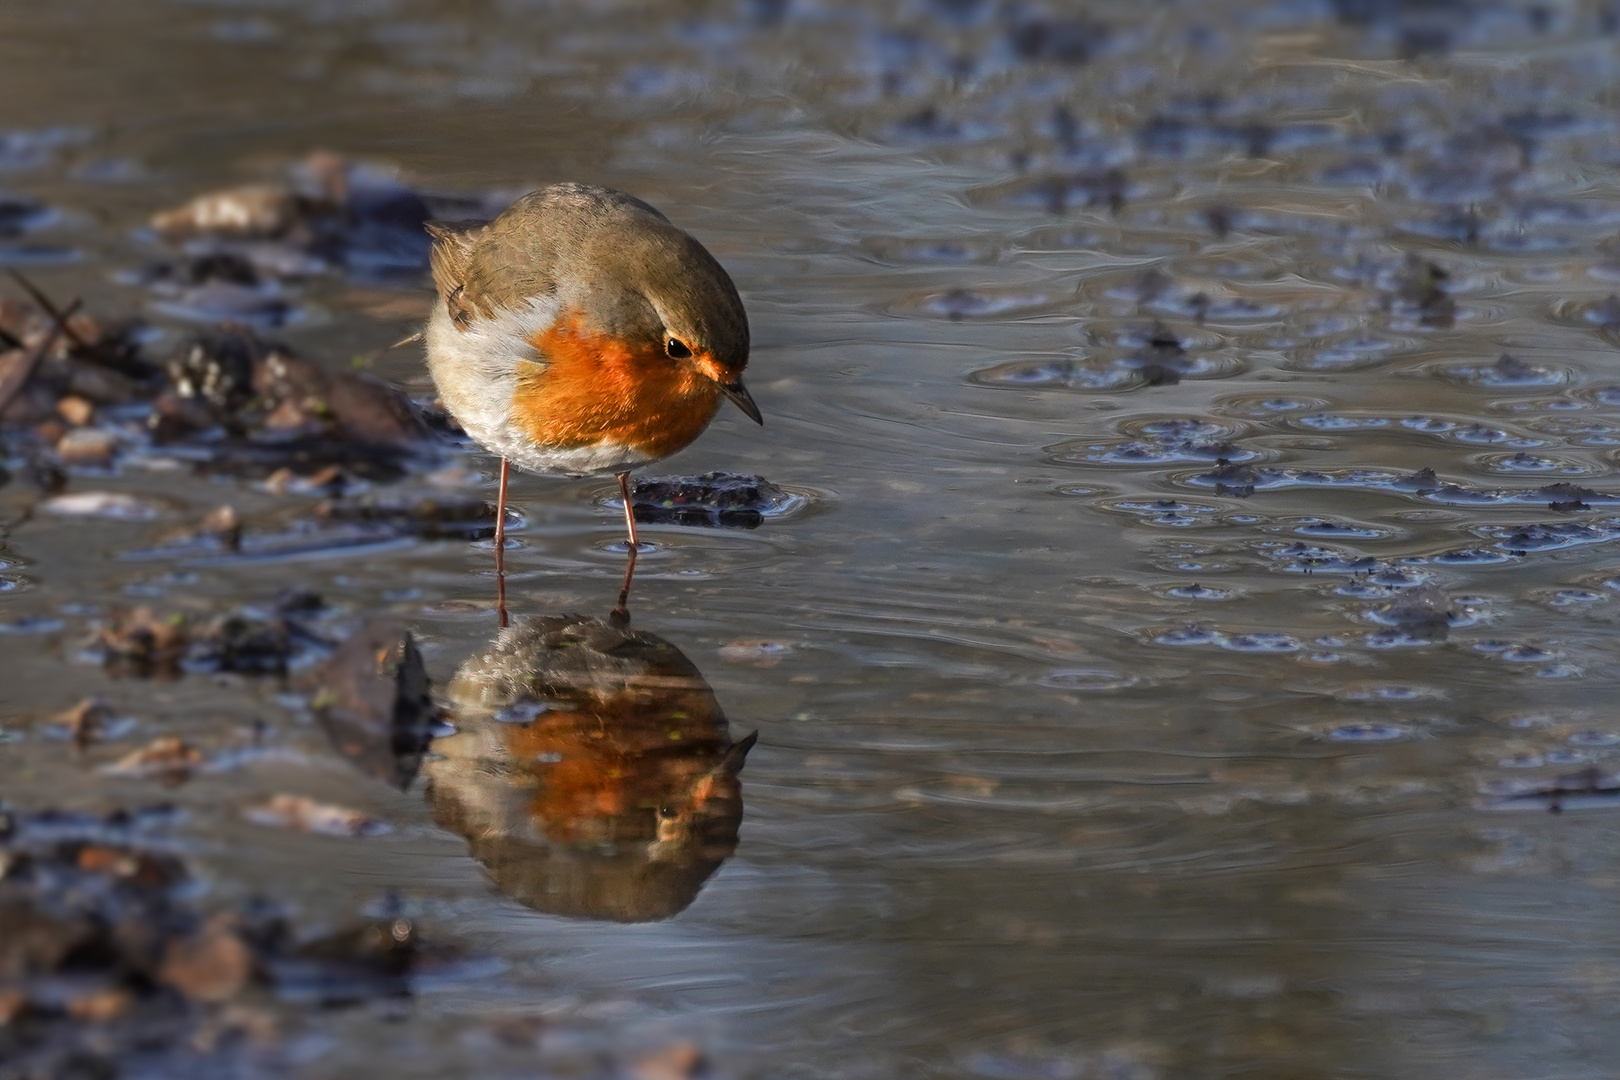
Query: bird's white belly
(475, 371)
(572, 460)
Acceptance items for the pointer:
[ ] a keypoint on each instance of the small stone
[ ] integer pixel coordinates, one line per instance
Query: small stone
(75, 410)
(87, 446)
(212, 965)
(223, 524)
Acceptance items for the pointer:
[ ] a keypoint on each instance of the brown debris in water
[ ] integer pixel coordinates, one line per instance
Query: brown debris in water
(1163, 360)
(141, 642)
(430, 517)
(85, 721)
(58, 364)
(258, 211)
(145, 644)
(371, 697)
(1421, 287)
(262, 391)
(1237, 480)
(168, 758)
(108, 967)
(1425, 613)
(329, 214)
(299, 813)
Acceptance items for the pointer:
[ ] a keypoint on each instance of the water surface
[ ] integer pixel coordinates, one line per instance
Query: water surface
(1094, 736)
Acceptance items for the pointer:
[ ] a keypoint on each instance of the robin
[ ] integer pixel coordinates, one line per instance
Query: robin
(580, 333)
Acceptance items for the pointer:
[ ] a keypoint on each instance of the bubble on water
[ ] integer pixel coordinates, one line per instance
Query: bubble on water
(1340, 529)
(1349, 354)
(1524, 654)
(1261, 643)
(1603, 315)
(1182, 428)
(1401, 639)
(1471, 557)
(1457, 495)
(1432, 425)
(1568, 757)
(1394, 692)
(956, 250)
(1522, 462)
(1507, 371)
(1594, 738)
(961, 303)
(1272, 478)
(1198, 592)
(1252, 407)
(1056, 373)
(1575, 598)
(1552, 536)
(1341, 422)
(1190, 635)
(1382, 581)
(1092, 680)
(1170, 513)
(1166, 451)
(1366, 732)
(1481, 435)
(1578, 430)
(1302, 558)
(1559, 671)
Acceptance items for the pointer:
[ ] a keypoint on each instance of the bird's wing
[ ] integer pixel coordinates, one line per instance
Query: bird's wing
(451, 259)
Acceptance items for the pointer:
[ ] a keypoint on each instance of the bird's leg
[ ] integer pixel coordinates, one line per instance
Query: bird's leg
(500, 545)
(621, 613)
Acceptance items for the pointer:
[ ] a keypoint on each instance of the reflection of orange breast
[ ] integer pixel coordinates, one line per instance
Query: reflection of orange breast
(591, 388)
(590, 772)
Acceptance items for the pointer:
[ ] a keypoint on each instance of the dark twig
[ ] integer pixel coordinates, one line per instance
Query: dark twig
(31, 361)
(60, 317)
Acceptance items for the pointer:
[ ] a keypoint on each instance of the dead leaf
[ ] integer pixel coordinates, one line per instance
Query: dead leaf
(301, 814)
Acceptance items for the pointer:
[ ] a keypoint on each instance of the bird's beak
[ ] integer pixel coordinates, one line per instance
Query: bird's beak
(738, 393)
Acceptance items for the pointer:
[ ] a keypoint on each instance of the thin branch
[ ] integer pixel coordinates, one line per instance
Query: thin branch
(60, 317)
(31, 361)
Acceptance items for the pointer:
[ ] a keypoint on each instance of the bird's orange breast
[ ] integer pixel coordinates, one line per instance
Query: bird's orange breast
(593, 388)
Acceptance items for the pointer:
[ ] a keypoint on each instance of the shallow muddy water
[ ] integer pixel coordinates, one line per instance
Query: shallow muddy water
(1131, 701)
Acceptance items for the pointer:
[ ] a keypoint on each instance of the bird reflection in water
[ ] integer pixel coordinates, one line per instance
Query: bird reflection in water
(592, 771)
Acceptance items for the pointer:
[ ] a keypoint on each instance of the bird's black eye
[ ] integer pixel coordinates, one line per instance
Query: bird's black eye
(677, 348)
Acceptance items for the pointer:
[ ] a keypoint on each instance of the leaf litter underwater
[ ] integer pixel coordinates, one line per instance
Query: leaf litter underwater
(1186, 507)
